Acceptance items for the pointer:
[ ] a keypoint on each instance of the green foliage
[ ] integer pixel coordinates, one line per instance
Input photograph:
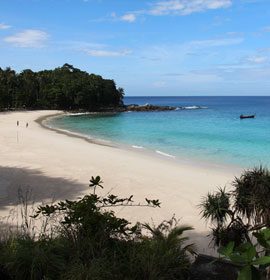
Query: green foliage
(263, 238)
(251, 263)
(90, 242)
(216, 206)
(25, 258)
(237, 213)
(251, 195)
(163, 254)
(65, 88)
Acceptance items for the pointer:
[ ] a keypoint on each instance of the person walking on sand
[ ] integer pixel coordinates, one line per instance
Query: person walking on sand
(26, 124)
(17, 123)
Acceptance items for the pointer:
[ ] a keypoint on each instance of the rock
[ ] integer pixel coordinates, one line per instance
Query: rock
(211, 268)
(148, 108)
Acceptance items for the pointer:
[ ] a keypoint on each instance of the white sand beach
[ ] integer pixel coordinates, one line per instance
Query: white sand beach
(58, 166)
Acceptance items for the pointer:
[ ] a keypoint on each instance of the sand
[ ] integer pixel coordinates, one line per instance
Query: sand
(58, 166)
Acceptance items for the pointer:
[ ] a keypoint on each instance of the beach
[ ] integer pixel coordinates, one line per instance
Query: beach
(58, 166)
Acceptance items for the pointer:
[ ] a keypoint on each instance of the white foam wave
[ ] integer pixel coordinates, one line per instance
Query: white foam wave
(78, 114)
(194, 107)
(164, 154)
(85, 136)
(73, 133)
(137, 147)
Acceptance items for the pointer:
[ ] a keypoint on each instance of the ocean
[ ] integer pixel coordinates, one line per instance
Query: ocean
(214, 133)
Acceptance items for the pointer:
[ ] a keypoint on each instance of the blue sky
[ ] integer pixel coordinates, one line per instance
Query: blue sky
(173, 47)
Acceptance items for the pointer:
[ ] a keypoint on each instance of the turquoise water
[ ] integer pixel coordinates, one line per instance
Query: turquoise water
(214, 133)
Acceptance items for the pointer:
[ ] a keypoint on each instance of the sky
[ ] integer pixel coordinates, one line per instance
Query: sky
(153, 48)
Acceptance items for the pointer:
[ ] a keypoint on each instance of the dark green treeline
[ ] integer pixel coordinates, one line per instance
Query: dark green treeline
(65, 88)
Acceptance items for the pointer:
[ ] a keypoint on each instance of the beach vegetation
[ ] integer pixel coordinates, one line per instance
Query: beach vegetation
(86, 240)
(240, 221)
(64, 88)
(253, 263)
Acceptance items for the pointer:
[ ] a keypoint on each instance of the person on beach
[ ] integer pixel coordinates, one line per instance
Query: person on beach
(26, 124)
(17, 123)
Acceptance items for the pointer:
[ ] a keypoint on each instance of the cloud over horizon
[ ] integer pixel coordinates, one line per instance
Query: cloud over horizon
(107, 53)
(4, 26)
(186, 7)
(177, 7)
(129, 17)
(29, 38)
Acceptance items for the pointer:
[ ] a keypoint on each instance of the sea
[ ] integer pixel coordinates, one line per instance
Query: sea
(202, 129)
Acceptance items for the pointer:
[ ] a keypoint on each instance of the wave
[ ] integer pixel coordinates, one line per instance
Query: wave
(137, 147)
(80, 135)
(78, 114)
(164, 154)
(194, 107)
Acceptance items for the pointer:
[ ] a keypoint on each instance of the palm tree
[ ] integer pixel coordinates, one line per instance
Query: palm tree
(244, 210)
(252, 196)
(165, 253)
(216, 207)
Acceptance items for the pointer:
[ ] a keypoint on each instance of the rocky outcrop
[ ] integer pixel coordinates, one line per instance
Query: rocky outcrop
(139, 108)
(211, 268)
(148, 108)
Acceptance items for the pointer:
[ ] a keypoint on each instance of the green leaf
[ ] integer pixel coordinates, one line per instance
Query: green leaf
(227, 250)
(262, 261)
(250, 253)
(263, 237)
(245, 273)
(238, 259)
(247, 251)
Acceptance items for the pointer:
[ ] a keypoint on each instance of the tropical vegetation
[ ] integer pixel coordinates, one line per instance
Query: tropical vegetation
(64, 88)
(240, 220)
(83, 239)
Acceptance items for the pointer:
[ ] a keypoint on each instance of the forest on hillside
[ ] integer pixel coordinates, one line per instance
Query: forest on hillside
(64, 88)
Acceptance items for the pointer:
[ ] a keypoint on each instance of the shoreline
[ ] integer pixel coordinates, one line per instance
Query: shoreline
(43, 119)
(55, 165)
(155, 154)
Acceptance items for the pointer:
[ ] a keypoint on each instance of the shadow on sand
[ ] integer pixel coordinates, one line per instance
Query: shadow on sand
(41, 186)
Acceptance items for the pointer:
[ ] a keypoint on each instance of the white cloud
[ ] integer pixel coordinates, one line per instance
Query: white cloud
(30, 38)
(79, 45)
(4, 26)
(266, 29)
(128, 17)
(203, 50)
(257, 59)
(176, 7)
(216, 42)
(186, 7)
(107, 53)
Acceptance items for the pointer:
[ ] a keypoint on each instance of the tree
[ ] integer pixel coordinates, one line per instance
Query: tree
(64, 88)
(253, 264)
(245, 209)
(238, 215)
(89, 241)
(252, 196)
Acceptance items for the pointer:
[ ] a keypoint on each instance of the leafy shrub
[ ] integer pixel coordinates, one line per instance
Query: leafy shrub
(90, 242)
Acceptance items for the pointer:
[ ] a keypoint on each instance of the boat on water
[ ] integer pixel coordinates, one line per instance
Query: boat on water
(247, 116)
